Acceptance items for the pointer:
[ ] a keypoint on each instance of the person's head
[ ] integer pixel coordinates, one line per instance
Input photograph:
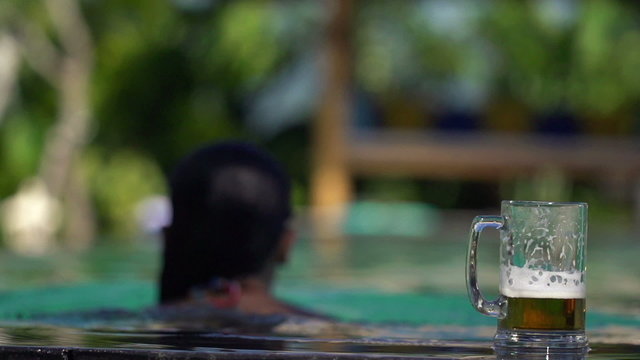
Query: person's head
(231, 203)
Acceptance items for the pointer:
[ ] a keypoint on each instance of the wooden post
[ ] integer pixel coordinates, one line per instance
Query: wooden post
(330, 182)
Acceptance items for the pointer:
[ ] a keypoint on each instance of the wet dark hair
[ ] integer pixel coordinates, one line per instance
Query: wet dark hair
(230, 204)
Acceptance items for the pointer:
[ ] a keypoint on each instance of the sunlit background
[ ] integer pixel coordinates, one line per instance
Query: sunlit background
(398, 122)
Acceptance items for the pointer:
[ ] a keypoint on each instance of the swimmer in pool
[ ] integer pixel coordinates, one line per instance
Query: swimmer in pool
(229, 231)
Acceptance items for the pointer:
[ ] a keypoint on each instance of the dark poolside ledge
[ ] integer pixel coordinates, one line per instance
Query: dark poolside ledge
(73, 353)
(79, 353)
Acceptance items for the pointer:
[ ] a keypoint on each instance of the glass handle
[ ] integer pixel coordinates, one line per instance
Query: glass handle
(496, 308)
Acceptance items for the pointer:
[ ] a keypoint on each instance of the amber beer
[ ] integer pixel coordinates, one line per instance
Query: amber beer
(544, 314)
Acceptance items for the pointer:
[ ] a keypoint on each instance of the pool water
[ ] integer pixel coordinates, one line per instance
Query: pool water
(394, 295)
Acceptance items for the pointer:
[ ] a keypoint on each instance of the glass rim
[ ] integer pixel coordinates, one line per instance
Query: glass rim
(534, 203)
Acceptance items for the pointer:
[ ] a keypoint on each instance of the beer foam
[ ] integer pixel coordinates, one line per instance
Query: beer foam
(533, 283)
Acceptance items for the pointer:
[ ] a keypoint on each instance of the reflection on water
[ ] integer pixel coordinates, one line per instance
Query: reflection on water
(189, 329)
(541, 354)
(212, 342)
(217, 343)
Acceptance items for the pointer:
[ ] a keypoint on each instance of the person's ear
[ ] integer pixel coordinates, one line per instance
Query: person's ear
(287, 240)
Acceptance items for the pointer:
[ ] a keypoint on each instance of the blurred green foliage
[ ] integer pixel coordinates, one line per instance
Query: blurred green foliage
(119, 181)
(21, 145)
(548, 185)
(171, 75)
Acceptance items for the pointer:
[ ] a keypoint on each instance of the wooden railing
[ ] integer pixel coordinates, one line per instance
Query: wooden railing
(492, 156)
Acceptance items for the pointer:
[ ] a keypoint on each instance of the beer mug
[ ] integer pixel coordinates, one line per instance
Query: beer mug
(542, 274)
